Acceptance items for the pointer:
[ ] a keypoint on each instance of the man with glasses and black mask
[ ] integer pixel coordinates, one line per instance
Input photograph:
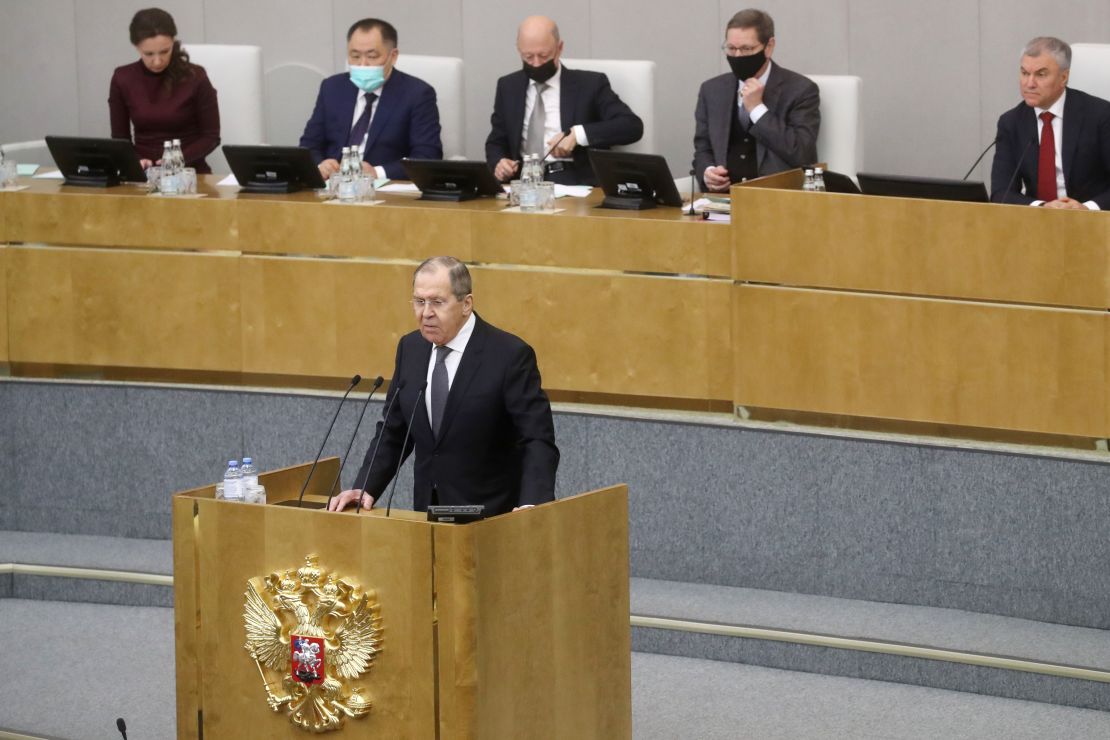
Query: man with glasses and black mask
(546, 106)
(759, 118)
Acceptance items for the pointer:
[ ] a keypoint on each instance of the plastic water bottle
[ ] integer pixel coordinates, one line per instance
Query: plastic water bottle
(233, 481)
(809, 185)
(819, 179)
(178, 157)
(169, 182)
(249, 472)
(347, 185)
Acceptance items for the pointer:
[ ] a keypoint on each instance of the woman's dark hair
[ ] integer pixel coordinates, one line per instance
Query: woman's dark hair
(151, 22)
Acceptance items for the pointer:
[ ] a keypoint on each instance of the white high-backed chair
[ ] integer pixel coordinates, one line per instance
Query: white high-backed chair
(236, 73)
(1090, 69)
(634, 82)
(445, 74)
(840, 140)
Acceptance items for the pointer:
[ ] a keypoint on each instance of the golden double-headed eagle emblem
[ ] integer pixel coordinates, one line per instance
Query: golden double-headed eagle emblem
(312, 635)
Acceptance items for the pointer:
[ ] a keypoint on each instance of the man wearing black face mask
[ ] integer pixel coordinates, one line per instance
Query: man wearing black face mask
(759, 118)
(546, 105)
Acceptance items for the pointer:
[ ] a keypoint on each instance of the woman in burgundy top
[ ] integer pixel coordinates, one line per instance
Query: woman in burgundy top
(163, 95)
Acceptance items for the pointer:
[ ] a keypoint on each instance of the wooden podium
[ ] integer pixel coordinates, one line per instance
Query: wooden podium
(515, 626)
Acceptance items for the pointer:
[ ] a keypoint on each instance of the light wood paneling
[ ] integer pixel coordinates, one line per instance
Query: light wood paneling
(920, 247)
(948, 362)
(3, 303)
(659, 241)
(526, 648)
(124, 308)
(239, 542)
(324, 317)
(121, 217)
(614, 333)
(403, 228)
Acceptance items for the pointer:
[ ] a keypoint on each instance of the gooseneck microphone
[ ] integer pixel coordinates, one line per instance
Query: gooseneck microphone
(401, 459)
(354, 381)
(557, 142)
(122, 727)
(365, 405)
(378, 442)
(1017, 168)
(980, 159)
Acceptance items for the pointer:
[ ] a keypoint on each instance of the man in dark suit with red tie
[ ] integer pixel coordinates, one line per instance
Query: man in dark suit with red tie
(1054, 147)
(482, 427)
(537, 104)
(381, 110)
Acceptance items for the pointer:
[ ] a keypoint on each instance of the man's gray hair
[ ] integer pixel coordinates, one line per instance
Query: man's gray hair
(461, 284)
(1050, 45)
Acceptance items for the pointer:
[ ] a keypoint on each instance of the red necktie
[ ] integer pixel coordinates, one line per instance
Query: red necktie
(1046, 164)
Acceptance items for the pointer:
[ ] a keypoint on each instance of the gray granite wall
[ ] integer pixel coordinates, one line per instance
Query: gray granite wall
(991, 531)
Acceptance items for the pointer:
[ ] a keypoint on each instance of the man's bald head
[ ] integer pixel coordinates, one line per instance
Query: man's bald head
(538, 29)
(538, 41)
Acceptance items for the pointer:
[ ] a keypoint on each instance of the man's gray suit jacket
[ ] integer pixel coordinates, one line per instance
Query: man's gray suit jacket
(786, 135)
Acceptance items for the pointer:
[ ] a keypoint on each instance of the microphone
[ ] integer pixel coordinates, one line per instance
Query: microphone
(354, 381)
(557, 142)
(122, 727)
(401, 461)
(693, 184)
(1017, 168)
(377, 443)
(980, 159)
(366, 404)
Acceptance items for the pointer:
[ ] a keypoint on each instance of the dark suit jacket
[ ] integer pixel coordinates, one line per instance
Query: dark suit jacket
(1085, 144)
(585, 99)
(786, 135)
(406, 122)
(497, 441)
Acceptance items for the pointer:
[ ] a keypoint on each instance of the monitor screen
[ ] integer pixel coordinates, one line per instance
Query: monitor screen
(922, 187)
(634, 181)
(273, 169)
(95, 162)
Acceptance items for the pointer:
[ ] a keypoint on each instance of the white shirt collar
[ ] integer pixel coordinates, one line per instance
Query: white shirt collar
(1057, 108)
(458, 344)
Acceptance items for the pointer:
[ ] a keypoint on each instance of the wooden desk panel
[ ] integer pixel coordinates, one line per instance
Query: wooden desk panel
(658, 241)
(592, 332)
(112, 307)
(614, 333)
(328, 318)
(920, 247)
(120, 217)
(3, 303)
(947, 362)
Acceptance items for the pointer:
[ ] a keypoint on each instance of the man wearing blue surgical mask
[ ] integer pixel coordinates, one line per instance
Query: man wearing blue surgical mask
(385, 113)
(758, 118)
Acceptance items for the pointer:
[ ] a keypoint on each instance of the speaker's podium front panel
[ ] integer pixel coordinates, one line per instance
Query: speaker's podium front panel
(291, 622)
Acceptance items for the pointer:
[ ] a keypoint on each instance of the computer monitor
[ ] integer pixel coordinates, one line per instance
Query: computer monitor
(922, 187)
(273, 169)
(451, 179)
(634, 181)
(97, 163)
(836, 182)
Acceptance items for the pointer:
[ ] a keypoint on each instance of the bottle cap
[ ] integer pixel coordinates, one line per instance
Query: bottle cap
(233, 463)
(247, 461)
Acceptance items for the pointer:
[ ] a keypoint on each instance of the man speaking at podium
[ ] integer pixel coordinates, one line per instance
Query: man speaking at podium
(482, 432)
